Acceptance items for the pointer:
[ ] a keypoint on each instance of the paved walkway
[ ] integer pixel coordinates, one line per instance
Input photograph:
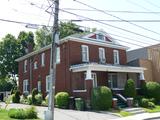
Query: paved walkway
(61, 114)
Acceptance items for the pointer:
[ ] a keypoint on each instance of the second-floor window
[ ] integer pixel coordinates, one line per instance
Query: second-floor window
(35, 65)
(42, 59)
(116, 56)
(102, 57)
(58, 59)
(25, 66)
(85, 53)
(48, 83)
(39, 86)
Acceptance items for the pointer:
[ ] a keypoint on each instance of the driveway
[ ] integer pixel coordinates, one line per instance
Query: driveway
(61, 114)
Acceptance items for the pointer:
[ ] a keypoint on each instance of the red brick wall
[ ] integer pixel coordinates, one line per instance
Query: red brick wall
(70, 54)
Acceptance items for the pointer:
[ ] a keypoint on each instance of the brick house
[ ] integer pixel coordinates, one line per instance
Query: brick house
(83, 62)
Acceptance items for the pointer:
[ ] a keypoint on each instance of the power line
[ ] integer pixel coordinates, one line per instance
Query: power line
(117, 17)
(79, 20)
(24, 23)
(114, 11)
(111, 26)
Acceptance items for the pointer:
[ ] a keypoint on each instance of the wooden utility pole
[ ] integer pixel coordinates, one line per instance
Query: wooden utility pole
(55, 41)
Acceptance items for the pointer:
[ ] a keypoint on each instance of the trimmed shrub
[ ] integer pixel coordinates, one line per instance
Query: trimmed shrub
(62, 99)
(101, 98)
(151, 105)
(17, 113)
(46, 99)
(34, 93)
(130, 89)
(17, 97)
(152, 90)
(29, 113)
(144, 102)
(29, 99)
(38, 99)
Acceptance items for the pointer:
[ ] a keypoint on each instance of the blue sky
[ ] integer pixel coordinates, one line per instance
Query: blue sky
(22, 10)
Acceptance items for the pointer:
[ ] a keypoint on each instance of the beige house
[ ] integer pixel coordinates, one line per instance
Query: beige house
(149, 58)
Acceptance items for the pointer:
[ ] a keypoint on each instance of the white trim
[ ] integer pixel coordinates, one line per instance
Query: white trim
(80, 90)
(106, 67)
(25, 66)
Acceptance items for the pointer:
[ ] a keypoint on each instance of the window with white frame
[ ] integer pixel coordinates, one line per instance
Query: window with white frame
(85, 53)
(48, 83)
(102, 57)
(39, 86)
(25, 86)
(25, 66)
(35, 65)
(43, 59)
(116, 56)
(58, 59)
(100, 37)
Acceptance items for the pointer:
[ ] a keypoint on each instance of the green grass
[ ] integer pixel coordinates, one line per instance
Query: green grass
(125, 114)
(4, 116)
(153, 110)
(121, 112)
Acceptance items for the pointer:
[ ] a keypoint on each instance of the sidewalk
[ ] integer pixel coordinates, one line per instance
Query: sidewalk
(143, 116)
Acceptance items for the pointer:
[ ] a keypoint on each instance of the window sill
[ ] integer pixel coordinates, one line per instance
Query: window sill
(79, 90)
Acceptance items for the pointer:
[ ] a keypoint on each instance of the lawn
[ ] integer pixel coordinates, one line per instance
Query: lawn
(4, 116)
(153, 110)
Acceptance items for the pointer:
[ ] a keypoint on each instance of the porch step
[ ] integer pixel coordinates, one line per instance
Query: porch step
(135, 110)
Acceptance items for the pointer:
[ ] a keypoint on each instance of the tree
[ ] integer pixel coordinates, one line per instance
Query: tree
(43, 35)
(26, 40)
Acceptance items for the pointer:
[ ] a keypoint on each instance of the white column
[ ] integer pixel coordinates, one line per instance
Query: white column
(141, 77)
(88, 75)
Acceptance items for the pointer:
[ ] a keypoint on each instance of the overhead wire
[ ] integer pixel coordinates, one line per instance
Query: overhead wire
(116, 17)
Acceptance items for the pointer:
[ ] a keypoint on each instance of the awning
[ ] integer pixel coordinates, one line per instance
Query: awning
(106, 67)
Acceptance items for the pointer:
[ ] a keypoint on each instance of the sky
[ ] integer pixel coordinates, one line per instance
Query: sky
(133, 33)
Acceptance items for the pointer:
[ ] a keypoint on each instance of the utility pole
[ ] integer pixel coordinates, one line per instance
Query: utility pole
(49, 115)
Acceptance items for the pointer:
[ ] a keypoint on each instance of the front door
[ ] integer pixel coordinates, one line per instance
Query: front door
(112, 80)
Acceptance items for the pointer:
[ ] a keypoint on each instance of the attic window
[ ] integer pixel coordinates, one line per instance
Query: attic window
(100, 37)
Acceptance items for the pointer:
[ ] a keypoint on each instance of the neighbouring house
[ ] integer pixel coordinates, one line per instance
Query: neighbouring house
(149, 58)
(84, 61)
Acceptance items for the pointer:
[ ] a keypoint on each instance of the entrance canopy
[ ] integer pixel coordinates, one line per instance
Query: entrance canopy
(106, 67)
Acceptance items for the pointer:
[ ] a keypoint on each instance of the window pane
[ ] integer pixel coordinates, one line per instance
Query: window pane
(78, 81)
(58, 55)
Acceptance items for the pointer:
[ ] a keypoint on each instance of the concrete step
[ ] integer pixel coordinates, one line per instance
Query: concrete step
(135, 110)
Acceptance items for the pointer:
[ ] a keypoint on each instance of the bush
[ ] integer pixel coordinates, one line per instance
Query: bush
(101, 98)
(29, 99)
(31, 113)
(130, 89)
(46, 99)
(62, 99)
(28, 113)
(152, 90)
(144, 102)
(38, 99)
(17, 113)
(17, 97)
(151, 105)
(34, 93)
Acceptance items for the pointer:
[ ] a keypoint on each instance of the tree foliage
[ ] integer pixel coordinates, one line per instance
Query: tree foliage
(130, 89)
(43, 35)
